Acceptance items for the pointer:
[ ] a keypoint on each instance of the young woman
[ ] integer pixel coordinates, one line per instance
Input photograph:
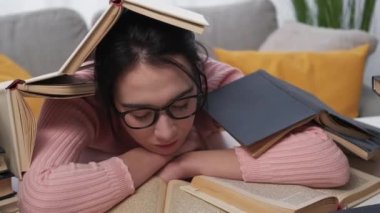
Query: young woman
(92, 153)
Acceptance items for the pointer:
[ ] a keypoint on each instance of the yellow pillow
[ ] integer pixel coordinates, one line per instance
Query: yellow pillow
(335, 77)
(9, 70)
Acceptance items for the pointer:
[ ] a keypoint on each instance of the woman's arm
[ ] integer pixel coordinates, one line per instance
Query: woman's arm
(56, 182)
(307, 158)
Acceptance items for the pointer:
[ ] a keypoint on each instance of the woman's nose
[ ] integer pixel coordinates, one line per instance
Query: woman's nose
(165, 128)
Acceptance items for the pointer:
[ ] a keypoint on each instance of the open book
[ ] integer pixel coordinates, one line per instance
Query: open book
(157, 196)
(17, 123)
(238, 196)
(258, 110)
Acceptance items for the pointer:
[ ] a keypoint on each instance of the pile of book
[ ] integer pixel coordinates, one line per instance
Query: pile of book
(211, 194)
(242, 108)
(8, 198)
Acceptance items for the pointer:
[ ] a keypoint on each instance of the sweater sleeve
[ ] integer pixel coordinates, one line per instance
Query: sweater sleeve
(55, 182)
(308, 158)
(219, 74)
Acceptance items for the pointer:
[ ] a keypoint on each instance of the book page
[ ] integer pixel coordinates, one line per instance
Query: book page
(341, 126)
(26, 127)
(287, 196)
(9, 205)
(3, 165)
(8, 131)
(64, 85)
(150, 197)
(349, 145)
(170, 11)
(178, 200)
(360, 187)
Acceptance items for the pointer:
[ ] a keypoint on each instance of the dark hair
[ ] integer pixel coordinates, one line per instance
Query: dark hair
(135, 38)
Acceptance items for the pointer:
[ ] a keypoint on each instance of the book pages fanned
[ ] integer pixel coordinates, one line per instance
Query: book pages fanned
(157, 196)
(361, 187)
(149, 197)
(235, 195)
(8, 136)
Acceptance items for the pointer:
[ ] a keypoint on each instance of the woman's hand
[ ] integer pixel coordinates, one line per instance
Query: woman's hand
(218, 163)
(193, 142)
(177, 168)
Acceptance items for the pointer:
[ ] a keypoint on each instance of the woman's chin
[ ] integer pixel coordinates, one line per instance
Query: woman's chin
(165, 149)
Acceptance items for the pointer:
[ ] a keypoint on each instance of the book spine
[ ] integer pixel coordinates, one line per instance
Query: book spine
(14, 84)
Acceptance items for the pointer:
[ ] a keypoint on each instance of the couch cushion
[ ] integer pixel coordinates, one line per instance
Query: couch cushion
(41, 41)
(294, 36)
(241, 25)
(335, 77)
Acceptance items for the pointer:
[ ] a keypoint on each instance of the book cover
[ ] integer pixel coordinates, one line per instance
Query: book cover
(259, 109)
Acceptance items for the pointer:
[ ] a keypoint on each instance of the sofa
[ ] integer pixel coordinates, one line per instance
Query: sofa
(41, 41)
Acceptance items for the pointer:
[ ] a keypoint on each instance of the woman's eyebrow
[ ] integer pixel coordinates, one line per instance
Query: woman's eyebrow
(183, 93)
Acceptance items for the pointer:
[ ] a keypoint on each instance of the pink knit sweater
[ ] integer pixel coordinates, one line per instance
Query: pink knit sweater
(66, 175)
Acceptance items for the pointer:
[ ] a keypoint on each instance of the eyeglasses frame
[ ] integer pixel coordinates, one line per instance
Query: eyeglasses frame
(200, 103)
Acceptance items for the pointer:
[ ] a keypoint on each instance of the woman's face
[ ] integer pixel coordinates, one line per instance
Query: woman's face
(155, 87)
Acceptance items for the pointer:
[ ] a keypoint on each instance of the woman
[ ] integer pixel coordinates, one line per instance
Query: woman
(91, 153)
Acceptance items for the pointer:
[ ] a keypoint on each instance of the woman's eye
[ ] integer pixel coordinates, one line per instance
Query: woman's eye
(141, 115)
(183, 104)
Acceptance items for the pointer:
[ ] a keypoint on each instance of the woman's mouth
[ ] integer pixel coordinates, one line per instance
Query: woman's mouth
(167, 145)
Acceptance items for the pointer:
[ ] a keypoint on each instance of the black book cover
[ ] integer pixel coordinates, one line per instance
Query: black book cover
(259, 105)
(253, 108)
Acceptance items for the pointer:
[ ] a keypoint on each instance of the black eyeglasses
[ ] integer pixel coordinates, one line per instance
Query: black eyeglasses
(180, 108)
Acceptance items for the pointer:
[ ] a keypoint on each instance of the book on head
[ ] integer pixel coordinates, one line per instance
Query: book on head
(239, 196)
(157, 196)
(258, 110)
(16, 119)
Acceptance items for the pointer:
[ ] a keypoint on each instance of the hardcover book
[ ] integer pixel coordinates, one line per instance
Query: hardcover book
(16, 119)
(239, 196)
(258, 110)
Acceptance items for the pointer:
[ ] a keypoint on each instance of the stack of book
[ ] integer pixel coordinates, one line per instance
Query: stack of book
(8, 199)
(211, 194)
(242, 108)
